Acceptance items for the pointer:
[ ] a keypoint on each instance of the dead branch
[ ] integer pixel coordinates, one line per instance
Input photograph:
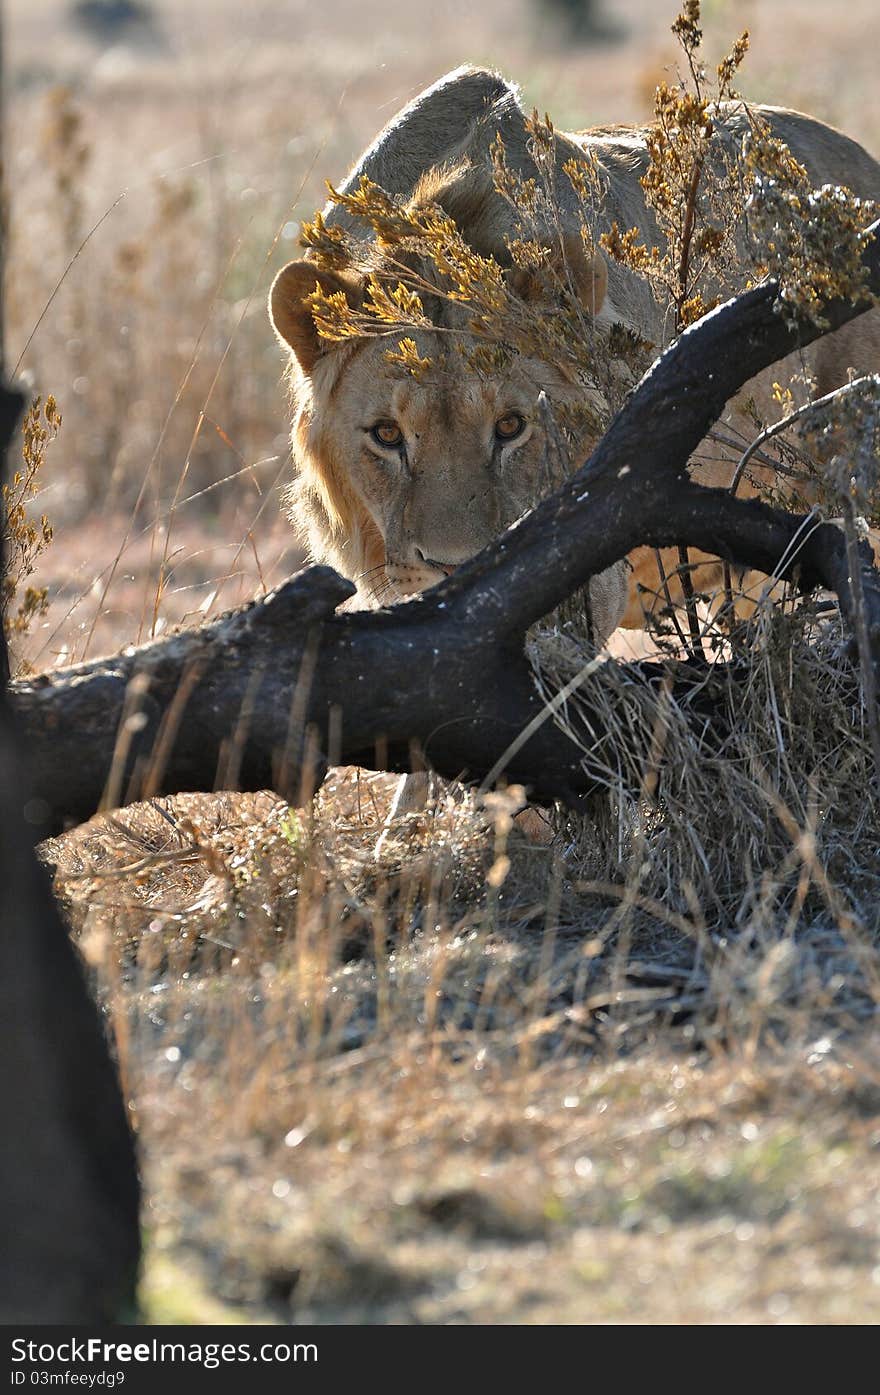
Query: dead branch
(267, 696)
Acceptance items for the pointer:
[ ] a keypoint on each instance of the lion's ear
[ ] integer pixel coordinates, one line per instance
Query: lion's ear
(587, 275)
(292, 318)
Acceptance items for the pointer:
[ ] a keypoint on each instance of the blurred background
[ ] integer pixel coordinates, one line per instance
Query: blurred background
(161, 158)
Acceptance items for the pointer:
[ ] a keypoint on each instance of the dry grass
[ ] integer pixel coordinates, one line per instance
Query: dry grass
(748, 796)
(400, 1094)
(619, 1071)
(622, 1070)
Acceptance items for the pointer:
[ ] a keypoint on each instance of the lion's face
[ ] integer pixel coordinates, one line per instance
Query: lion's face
(401, 479)
(439, 466)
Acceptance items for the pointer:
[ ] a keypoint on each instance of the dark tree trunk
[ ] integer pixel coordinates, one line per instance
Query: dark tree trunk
(68, 1180)
(69, 1196)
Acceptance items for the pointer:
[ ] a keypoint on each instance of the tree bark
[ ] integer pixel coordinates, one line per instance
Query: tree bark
(267, 696)
(69, 1193)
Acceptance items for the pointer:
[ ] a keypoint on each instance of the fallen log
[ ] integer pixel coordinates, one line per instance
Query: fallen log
(270, 695)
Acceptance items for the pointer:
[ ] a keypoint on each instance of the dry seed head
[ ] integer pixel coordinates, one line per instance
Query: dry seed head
(407, 357)
(23, 538)
(691, 195)
(686, 27)
(331, 246)
(809, 240)
(728, 66)
(394, 307)
(850, 425)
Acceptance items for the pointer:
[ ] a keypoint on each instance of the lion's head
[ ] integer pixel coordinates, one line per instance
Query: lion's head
(401, 477)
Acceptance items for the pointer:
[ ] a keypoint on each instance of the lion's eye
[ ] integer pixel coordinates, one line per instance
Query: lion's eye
(508, 427)
(387, 433)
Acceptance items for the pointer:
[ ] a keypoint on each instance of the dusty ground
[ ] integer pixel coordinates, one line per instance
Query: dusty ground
(397, 1092)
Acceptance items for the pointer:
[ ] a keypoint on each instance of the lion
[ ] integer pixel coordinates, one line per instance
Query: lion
(399, 481)
(402, 478)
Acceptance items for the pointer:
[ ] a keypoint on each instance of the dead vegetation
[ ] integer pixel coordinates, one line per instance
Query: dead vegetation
(507, 1072)
(474, 1082)
(617, 1069)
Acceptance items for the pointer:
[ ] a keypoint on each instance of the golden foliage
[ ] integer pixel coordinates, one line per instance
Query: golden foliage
(408, 357)
(416, 257)
(809, 240)
(23, 539)
(845, 429)
(688, 184)
(704, 190)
